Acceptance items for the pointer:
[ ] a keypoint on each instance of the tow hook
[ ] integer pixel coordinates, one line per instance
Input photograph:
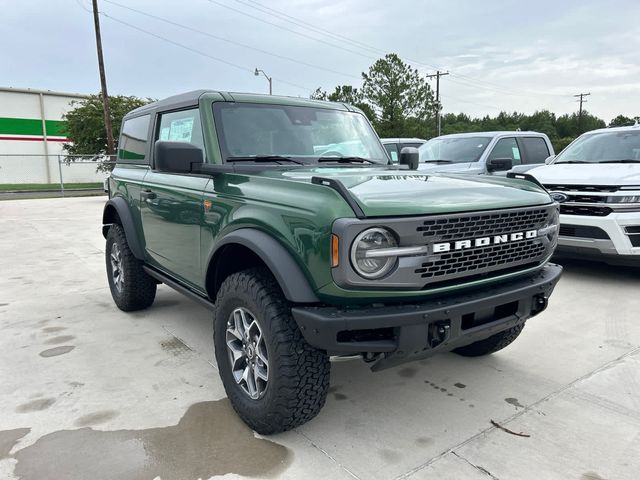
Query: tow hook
(439, 332)
(540, 303)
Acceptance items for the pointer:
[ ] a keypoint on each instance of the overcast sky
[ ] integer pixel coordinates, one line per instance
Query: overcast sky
(502, 55)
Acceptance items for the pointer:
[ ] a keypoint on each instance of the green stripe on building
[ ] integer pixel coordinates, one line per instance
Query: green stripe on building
(31, 126)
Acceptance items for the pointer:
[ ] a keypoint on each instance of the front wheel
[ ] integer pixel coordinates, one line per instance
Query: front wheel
(492, 344)
(274, 379)
(131, 287)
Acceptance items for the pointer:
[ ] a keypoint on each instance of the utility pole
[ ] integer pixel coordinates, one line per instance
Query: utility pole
(438, 74)
(103, 82)
(582, 100)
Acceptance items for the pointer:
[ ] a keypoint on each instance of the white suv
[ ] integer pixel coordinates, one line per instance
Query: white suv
(596, 180)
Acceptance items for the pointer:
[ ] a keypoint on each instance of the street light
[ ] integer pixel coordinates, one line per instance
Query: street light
(257, 74)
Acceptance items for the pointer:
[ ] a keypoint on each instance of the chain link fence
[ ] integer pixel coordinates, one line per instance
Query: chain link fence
(54, 172)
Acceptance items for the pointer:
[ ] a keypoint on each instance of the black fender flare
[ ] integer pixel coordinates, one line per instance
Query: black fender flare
(121, 207)
(292, 281)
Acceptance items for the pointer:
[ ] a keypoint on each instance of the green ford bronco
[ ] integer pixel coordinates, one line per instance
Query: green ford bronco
(286, 218)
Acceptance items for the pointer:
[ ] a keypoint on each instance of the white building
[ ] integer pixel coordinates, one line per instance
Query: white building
(32, 136)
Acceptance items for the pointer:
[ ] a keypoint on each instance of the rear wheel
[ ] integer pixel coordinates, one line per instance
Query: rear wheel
(492, 344)
(131, 287)
(274, 379)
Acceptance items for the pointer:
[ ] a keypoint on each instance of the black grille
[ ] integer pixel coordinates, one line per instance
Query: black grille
(635, 240)
(568, 209)
(457, 228)
(583, 231)
(480, 260)
(581, 188)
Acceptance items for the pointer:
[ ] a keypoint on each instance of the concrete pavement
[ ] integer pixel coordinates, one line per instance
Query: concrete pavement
(87, 391)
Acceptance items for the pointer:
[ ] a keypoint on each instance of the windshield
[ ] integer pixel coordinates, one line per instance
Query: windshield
(453, 149)
(603, 147)
(302, 133)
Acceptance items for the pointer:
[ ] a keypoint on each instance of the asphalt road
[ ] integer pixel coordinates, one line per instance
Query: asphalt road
(87, 391)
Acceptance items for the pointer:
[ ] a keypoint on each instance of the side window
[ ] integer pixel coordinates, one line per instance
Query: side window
(392, 149)
(506, 148)
(535, 148)
(182, 126)
(132, 146)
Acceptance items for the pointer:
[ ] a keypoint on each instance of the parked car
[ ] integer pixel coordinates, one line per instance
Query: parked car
(490, 153)
(261, 209)
(596, 180)
(395, 145)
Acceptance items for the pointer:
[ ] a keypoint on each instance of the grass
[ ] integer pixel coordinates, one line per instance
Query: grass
(8, 187)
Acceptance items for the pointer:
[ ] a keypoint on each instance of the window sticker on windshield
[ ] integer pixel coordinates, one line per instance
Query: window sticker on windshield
(180, 130)
(516, 153)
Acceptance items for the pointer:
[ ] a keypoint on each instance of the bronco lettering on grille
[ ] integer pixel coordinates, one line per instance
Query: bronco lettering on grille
(483, 241)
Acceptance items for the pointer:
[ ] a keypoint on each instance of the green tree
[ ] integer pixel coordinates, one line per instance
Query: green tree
(621, 121)
(84, 123)
(346, 94)
(400, 98)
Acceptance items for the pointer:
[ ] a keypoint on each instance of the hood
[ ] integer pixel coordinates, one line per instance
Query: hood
(382, 191)
(588, 174)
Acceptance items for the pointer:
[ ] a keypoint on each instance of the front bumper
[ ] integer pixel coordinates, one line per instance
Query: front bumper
(616, 248)
(406, 332)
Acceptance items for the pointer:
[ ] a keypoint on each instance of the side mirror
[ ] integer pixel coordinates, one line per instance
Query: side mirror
(550, 159)
(499, 164)
(176, 157)
(410, 156)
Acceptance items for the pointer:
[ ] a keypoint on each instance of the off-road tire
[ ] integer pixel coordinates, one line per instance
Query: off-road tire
(298, 376)
(139, 289)
(492, 344)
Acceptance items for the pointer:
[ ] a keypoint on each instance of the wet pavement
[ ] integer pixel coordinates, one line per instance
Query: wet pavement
(88, 391)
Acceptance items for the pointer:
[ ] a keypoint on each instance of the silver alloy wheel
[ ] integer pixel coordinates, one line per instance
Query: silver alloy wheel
(116, 267)
(247, 353)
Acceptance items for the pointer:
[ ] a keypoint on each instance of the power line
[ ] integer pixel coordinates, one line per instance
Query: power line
(222, 39)
(199, 52)
(437, 75)
(581, 100)
(461, 79)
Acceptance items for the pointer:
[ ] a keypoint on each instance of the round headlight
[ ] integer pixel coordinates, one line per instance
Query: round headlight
(364, 259)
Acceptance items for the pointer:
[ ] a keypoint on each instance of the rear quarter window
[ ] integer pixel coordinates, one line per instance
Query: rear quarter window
(132, 147)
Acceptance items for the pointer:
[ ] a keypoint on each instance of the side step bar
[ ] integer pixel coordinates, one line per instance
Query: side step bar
(205, 302)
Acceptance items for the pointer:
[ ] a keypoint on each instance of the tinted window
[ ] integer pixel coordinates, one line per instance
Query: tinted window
(182, 126)
(133, 140)
(536, 148)
(392, 148)
(453, 149)
(506, 148)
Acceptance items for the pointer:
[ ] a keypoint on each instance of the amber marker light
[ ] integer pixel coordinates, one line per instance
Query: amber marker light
(335, 259)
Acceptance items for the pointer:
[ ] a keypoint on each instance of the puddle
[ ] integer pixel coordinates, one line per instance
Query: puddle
(514, 402)
(60, 339)
(36, 405)
(53, 329)
(209, 440)
(54, 352)
(8, 438)
(459, 385)
(95, 418)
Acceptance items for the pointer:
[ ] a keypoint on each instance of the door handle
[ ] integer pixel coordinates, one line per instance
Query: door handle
(147, 195)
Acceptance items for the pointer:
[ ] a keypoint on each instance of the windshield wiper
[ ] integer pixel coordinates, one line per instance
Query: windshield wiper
(573, 161)
(437, 161)
(345, 160)
(264, 158)
(626, 160)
